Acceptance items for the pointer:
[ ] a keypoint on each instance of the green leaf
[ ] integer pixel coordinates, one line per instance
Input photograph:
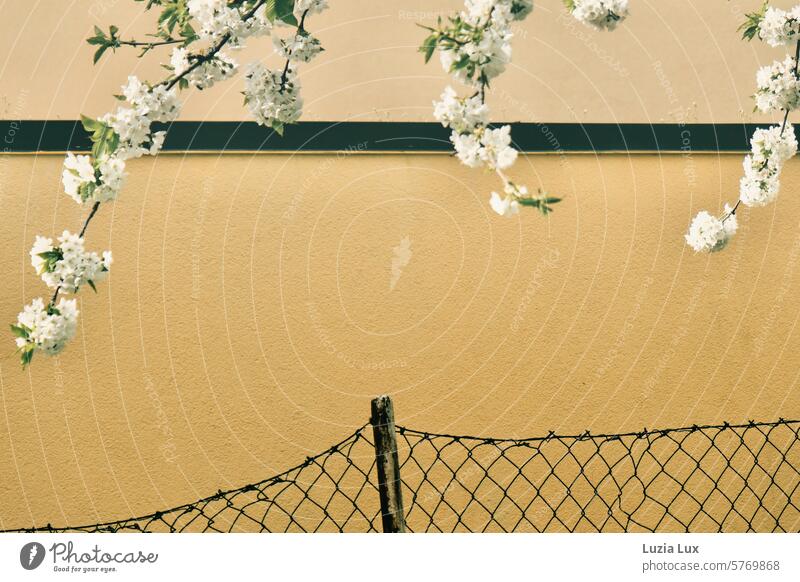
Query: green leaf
(19, 331)
(749, 27)
(86, 190)
(90, 124)
(99, 53)
(282, 10)
(91, 284)
(570, 4)
(429, 46)
(26, 356)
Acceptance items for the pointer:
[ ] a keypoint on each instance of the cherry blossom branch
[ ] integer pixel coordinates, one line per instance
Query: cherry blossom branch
(778, 90)
(127, 133)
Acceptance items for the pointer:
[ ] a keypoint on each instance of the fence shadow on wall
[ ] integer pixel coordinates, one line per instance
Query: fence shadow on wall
(729, 478)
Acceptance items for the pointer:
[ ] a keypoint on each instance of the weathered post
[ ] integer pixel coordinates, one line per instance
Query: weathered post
(389, 484)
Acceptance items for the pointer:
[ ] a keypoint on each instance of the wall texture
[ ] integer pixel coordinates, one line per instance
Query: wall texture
(254, 310)
(258, 302)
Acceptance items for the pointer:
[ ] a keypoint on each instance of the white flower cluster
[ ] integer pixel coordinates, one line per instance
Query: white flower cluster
(477, 46)
(460, 115)
(780, 27)
(272, 97)
(301, 47)
(101, 179)
(778, 86)
(216, 19)
(708, 233)
(474, 49)
(206, 74)
(600, 14)
(132, 124)
(68, 266)
(778, 89)
(311, 6)
(771, 149)
(508, 203)
(485, 146)
(47, 329)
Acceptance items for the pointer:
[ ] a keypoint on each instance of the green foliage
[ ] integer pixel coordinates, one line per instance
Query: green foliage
(175, 15)
(542, 202)
(26, 351)
(20, 331)
(282, 10)
(27, 355)
(51, 258)
(429, 46)
(570, 4)
(104, 42)
(104, 138)
(752, 21)
(450, 35)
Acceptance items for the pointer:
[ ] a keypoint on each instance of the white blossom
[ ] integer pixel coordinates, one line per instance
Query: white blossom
(46, 329)
(301, 47)
(468, 148)
(112, 176)
(780, 27)
(759, 186)
(272, 97)
(313, 7)
(772, 147)
(78, 170)
(487, 53)
(504, 205)
(461, 115)
(133, 123)
(601, 14)
(205, 75)
(496, 150)
(215, 19)
(778, 86)
(67, 265)
(708, 233)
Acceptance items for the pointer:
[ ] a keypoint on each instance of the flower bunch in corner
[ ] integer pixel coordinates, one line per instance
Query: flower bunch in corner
(777, 91)
(474, 48)
(198, 32)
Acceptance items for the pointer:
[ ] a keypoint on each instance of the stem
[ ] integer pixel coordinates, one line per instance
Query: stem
(796, 59)
(285, 74)
(150, 44)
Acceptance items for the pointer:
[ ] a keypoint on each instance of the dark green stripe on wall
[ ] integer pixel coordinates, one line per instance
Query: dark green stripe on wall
(57, 136)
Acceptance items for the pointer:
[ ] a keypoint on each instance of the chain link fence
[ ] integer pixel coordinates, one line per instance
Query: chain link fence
(722, 478)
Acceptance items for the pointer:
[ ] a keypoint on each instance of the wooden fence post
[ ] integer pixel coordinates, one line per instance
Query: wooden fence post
(389, 485)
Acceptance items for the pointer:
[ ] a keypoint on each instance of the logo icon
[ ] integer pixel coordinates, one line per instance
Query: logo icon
(402, 256)
(31, 555)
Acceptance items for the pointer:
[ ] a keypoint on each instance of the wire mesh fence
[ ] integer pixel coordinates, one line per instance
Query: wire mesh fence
(730, 478)
(333, 491)
(701, 479)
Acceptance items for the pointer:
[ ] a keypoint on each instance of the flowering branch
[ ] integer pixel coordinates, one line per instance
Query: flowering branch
(778, 90)
(64, 265)
(475, 47)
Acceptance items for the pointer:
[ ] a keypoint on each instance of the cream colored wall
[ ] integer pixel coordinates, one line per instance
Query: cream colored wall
(249, 317)
(675, 59)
